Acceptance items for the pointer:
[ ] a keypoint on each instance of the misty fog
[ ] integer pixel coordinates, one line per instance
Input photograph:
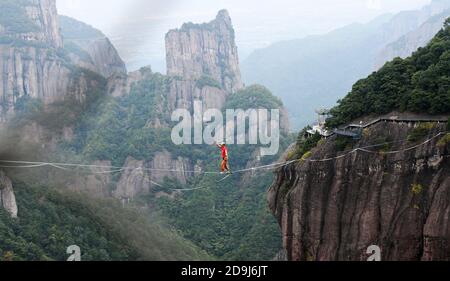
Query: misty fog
(137, 27)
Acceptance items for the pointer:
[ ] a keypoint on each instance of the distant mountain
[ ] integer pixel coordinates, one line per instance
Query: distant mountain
(410, 42)
(316, 71)
(416, 84)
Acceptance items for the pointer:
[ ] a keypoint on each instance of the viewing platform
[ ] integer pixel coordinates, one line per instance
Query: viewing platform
(354, 130)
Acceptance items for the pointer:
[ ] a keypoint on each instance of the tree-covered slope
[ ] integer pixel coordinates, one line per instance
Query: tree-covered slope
(52, 220)
(420, 83)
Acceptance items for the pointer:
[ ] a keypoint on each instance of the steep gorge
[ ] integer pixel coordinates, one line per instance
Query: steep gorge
(123, 120)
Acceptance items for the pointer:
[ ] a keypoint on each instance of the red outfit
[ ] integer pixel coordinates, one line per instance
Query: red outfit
(224, 152)
(224, 166)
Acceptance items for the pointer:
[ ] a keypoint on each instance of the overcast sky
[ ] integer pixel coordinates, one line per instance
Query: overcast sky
(137, 27)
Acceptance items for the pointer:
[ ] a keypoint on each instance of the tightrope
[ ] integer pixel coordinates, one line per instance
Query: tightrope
(274, 166)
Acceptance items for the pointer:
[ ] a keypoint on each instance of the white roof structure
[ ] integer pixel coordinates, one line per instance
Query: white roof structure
(320, 130)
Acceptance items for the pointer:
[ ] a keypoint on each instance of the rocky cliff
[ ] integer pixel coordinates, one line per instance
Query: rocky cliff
(33, 72)
(90, 48)
(36, 64)
(7, 198)
(140, 180)
(335, 210)
(31, 64)
(198, 50)
(202, 62)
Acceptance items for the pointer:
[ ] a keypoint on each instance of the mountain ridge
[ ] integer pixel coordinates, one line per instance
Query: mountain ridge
(315, 72)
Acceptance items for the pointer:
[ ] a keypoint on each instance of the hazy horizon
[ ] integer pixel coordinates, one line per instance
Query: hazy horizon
(257, 23)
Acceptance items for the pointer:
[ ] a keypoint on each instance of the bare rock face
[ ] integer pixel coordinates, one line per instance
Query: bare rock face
(208, 50)
(164, 161)
(203, 65)
(120, 84)
(133, 181)
(7, 197)
(30, 71)
(400, 202)
(139, 177)
(183, 93)
(33, 62)
(90, 48)
(96, 183)
(105, 57)
(29, 58)
(102, 57)
(44, 14)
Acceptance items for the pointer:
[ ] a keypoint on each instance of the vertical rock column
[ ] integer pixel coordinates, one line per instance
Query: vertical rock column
(197, 50)
(7, 197)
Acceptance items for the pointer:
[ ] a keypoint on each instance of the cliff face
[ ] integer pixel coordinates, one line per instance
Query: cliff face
(30, 71)
(209, 50)
(139, 181)
(121, 84)
(105, 58)
(90, 48)
(96, 184)
(35, 63)
(29, 60)
(7, 198)
(335, 210)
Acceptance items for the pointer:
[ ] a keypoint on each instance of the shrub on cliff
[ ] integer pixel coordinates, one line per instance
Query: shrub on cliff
(205, 81)
(254, 96)
(420, 131)
(305, 145)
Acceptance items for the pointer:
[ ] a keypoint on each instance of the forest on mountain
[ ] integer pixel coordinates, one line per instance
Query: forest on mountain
(419, 83)
(52, 219)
